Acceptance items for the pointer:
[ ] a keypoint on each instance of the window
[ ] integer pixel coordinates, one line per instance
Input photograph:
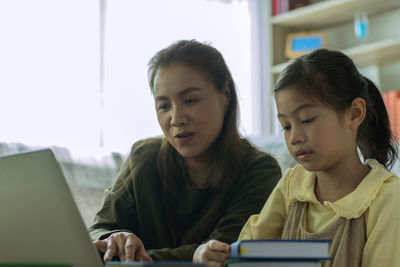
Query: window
(50, 66)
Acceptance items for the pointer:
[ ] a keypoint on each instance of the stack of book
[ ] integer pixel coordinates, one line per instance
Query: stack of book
(279, 253)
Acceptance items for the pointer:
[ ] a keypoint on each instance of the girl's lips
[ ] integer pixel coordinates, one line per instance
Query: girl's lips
(303, 156)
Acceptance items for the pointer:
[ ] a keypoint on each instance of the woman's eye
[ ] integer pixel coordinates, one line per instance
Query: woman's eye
(163, 107)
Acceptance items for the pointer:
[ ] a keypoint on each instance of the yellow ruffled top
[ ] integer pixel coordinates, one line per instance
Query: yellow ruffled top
(300, 187)
(377, 198)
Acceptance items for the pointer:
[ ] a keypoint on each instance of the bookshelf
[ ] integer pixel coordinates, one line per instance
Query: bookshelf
(330, 12)
(378, 56)
(379, 52)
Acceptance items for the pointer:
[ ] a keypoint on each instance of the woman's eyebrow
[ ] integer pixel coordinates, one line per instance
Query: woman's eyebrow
(188, 90)
(180, 94)
(161, 98)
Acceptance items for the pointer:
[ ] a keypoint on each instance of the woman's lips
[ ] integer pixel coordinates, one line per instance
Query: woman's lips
(184, 138)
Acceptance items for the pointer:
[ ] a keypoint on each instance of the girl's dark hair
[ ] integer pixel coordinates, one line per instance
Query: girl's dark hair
(332, 78)
(226, 162)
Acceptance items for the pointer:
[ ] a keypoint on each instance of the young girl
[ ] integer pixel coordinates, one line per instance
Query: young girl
(329, 113)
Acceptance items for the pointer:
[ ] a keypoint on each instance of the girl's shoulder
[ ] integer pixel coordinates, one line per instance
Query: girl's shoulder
(381, 180)
(383, 206)
(385, 182)
(378, 191)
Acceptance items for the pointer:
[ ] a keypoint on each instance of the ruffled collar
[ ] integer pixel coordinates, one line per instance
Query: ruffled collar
(300, 187)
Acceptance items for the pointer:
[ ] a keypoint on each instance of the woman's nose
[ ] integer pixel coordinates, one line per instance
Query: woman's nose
(178, 117)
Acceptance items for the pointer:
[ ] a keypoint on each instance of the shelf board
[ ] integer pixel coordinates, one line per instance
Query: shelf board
(376, 53)
(330, 12)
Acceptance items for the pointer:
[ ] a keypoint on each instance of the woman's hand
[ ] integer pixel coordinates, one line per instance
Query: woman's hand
(123, 244)
(214, 252)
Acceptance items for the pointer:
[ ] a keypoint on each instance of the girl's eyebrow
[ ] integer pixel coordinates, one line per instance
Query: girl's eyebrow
(307, 105)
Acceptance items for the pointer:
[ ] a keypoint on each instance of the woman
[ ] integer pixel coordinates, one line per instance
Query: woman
(177, 195)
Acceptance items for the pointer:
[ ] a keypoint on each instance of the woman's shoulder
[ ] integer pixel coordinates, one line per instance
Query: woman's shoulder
(144, 153)
(258, 163)
(142, 159)
(251, 152)
(148, 145)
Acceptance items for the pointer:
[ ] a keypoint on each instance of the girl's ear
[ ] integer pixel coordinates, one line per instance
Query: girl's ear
(358, 111)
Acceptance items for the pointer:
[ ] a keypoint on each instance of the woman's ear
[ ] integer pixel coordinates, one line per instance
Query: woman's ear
(227, 94)
(357, 111)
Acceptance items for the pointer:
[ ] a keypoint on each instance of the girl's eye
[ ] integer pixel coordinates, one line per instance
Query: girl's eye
(191, 100)
(308, 120)
(286, 128)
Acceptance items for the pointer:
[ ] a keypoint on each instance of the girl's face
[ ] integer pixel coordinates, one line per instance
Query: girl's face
(189, 109)
(314, 135)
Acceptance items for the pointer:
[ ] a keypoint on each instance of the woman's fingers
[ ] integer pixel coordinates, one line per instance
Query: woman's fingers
(101, 245)
(127, 246)
(134, 249)
(111, 249)
(130, 247)
(120, 241)
(141, 255)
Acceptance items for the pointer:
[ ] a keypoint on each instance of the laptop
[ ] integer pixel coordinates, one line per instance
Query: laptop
(39, 220)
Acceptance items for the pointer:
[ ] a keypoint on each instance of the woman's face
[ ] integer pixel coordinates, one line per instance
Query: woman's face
(189, 109)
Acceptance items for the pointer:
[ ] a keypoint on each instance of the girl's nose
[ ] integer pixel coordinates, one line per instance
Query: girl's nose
(296, 136)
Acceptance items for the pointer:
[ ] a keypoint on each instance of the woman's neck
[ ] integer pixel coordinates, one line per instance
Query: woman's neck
(199, 172)
(339, 181)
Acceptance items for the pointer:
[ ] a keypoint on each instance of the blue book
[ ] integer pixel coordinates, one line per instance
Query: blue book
(280, 249)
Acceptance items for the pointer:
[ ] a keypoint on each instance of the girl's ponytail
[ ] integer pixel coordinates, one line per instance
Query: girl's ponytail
(375, 138)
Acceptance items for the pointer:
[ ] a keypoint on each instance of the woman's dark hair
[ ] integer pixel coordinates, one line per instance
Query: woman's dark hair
(332, 78)
(226, 149)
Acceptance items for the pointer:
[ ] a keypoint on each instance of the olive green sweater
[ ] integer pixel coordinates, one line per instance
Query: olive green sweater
(139, 207)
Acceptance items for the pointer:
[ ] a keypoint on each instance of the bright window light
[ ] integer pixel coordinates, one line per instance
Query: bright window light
(50, 58)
